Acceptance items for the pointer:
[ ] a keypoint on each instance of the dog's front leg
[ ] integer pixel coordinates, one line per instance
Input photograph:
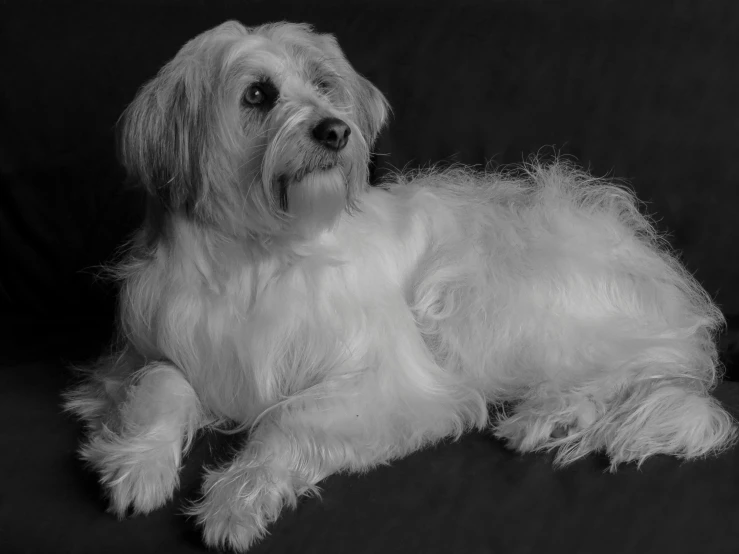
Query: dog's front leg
(138, 430)
(387, 403)
(287, 454)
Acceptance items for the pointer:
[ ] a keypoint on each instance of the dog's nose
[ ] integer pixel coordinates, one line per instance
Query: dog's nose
(332, 133)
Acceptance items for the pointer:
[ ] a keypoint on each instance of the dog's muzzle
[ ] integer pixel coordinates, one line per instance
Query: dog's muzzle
(332, 133)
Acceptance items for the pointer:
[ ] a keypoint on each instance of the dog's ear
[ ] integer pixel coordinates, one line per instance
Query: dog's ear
(162, 137)
(370, 105)
(372, 108)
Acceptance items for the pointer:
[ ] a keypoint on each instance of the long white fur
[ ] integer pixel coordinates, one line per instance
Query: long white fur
(360, 324)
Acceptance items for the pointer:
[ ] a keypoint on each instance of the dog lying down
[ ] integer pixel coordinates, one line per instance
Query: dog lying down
(272, 289)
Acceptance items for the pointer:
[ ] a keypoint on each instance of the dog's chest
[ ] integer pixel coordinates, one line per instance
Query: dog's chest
(326, 309)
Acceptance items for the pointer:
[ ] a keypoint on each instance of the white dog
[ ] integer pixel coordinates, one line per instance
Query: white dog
(273, 289)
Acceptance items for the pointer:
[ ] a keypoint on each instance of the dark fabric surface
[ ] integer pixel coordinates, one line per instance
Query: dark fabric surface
(471, 496)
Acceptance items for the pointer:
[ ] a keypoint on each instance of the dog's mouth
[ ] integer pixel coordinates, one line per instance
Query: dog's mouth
(323, 165)
(306, 173)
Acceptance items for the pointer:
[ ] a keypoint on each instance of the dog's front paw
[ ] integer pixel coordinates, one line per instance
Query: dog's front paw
(137, 476)
(228, 528)
(239, 503)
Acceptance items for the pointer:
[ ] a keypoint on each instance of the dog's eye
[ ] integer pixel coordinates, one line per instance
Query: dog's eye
(323, 85)
(261, 94)
(254, 95)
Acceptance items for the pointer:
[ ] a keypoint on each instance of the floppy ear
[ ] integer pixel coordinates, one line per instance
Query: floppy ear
(372, 108)
(162, 137)
(370, 105)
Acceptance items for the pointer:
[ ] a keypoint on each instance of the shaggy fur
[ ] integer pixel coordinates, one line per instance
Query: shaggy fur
(272, 289)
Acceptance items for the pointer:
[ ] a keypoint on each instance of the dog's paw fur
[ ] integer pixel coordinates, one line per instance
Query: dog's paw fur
(139, 475)
(670, 420)
(239, 503)
(544, 423)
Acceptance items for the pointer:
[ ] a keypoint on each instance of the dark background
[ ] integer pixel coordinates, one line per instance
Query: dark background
(645, 91)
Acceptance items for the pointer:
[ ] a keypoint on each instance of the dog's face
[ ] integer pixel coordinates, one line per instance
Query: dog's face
(263, 131)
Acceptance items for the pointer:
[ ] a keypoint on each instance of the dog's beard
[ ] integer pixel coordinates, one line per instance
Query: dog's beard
(317, 200)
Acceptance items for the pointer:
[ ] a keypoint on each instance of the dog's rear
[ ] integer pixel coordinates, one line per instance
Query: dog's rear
(556, 294)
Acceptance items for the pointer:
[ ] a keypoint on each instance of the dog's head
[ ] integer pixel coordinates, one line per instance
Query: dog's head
(265, 131)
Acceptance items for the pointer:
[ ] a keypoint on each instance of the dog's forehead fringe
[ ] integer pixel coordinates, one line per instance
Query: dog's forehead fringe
(252, 46)
(295, 52)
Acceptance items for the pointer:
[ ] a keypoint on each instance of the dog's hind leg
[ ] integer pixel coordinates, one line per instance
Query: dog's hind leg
(642, 395)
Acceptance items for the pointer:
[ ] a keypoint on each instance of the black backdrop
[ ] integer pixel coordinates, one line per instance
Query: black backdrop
(644, 91)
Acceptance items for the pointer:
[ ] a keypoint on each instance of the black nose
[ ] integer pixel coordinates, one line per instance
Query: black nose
(332, 133)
